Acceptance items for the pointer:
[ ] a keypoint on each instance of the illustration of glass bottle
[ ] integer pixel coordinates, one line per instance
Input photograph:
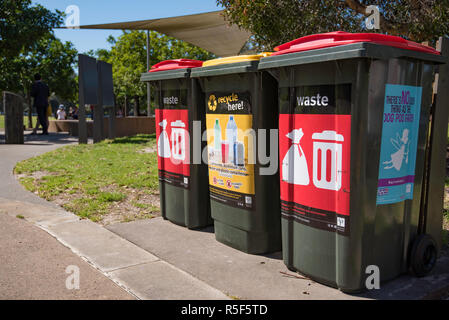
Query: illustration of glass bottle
(231, 136)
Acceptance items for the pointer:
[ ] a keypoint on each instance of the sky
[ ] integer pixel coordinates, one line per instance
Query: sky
(107, 11)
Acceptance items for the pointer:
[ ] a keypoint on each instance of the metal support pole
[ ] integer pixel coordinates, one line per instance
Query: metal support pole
(148, 68)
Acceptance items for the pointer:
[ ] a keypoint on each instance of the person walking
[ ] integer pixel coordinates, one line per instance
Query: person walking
(38, 123)
(40, 92)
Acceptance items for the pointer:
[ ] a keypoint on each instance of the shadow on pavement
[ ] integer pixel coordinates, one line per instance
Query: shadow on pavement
(209, 229)
(40, 140)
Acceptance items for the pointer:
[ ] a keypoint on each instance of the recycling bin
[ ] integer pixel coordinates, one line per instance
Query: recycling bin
(240, 106)
(183, 182)
(353, 123)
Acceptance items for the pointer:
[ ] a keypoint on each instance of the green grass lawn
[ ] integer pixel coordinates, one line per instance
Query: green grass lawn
(25, 121)
(112, 181)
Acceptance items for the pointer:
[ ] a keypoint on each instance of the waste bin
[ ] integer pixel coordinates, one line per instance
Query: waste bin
(183, 182)
(353, 123)
(240, 101)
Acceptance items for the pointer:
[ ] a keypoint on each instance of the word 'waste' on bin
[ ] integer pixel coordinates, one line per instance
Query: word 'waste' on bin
(353, 123)
(183, 184)
(240, 101)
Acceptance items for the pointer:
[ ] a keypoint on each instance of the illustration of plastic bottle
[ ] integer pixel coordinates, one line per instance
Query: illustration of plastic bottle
(239, 152)
(231, 136)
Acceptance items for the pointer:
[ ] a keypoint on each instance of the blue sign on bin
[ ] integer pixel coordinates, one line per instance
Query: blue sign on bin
(400, 130)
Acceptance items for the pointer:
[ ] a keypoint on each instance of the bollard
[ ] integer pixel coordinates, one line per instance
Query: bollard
(13, 118)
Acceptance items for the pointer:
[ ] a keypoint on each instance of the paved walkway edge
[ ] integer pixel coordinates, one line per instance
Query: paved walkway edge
(137, 271)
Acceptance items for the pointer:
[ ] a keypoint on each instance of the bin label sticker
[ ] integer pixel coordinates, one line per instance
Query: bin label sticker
(320, 99)
(230, 148)
(315, 155)
(402, 107)
(170, 98)
(173, 146)
(315, 151)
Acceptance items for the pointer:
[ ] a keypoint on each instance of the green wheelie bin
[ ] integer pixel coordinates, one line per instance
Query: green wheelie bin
(353, 125)
(240, 103)
(183, 183)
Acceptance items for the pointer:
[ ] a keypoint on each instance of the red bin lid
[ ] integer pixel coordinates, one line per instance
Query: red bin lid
(176, 64)
(338, 38)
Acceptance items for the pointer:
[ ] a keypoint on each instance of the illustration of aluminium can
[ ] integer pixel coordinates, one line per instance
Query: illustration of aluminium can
(346, 203)
(239, 102)
(183, 184)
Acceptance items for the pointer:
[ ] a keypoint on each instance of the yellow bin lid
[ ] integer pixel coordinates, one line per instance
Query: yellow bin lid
(235, 59)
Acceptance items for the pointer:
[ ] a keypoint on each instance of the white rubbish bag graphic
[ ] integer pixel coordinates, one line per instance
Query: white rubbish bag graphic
(163, 143)
(327, 146)
(294, 164)
(178, 140)
(402, 146)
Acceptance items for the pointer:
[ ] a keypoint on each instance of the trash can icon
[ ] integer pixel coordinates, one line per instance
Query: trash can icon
(327, 160)
(178, 139)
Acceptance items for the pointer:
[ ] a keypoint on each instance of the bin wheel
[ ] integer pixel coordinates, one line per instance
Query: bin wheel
(423, 255)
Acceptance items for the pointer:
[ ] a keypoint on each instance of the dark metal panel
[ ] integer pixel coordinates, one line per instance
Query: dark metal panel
(106, 83)
(88, 79)
(88, 84)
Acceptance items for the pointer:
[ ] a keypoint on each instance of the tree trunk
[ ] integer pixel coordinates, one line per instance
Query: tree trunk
(126, 106)
(136, 106)
(30, 110)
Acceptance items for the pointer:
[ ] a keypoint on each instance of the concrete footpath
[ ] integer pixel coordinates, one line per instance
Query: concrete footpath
(246, 276)
(33, 262)
(147, 259)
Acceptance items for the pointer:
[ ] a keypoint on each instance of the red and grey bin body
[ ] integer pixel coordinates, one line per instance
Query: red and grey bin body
(353, 124)
(183, 183)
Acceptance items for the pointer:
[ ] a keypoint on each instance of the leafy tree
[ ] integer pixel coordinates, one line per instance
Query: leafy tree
(129, 60)
(22, 24)
(28, 46)
(278, 21)
(54, 60)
